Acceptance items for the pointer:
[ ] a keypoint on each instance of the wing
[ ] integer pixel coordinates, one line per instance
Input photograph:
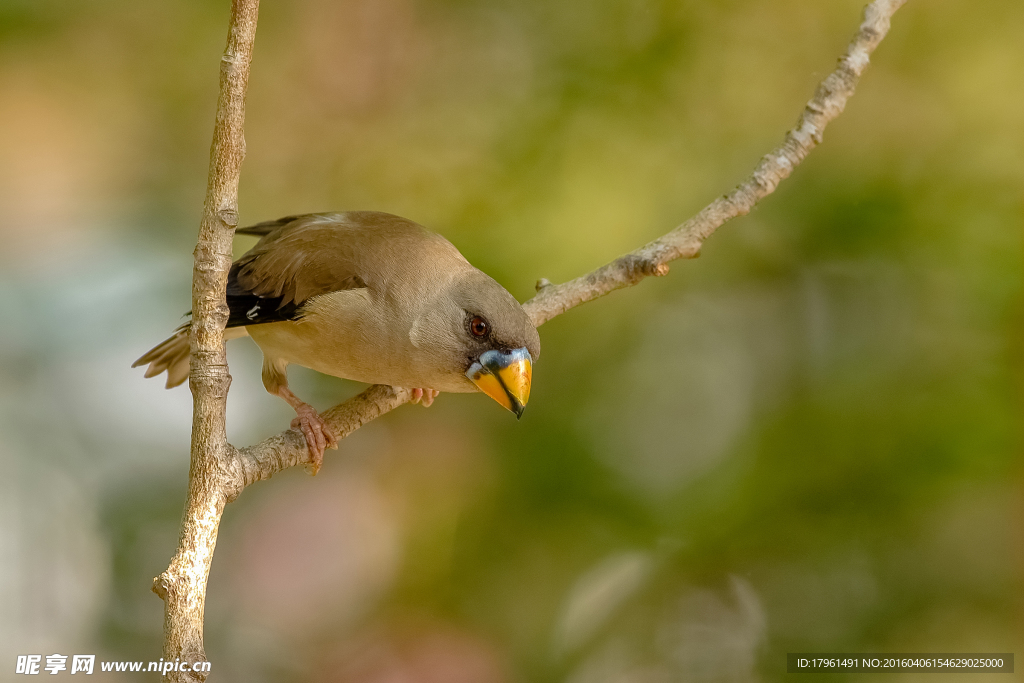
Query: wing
(301, 257)
(266, 227)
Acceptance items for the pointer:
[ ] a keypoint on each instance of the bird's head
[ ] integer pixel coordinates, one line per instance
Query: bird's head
(489, 340)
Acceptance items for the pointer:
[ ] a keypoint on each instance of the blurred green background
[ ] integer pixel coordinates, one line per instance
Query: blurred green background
(806, 440)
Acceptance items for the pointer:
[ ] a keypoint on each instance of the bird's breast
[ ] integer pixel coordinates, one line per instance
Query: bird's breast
(353, 335)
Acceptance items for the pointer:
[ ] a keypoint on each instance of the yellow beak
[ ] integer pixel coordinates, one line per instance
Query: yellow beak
(505, 377)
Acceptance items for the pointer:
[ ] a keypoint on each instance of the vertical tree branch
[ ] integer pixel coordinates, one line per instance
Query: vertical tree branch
(183, 585)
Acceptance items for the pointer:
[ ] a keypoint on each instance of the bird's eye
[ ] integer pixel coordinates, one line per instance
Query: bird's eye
(478, 326)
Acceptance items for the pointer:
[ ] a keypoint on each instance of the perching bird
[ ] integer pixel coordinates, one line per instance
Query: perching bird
(370, 297)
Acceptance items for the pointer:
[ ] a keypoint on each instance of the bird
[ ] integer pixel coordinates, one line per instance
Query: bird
(371, 297)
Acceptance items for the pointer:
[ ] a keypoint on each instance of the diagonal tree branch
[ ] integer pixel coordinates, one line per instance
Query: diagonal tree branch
(288, 448)
(263, 460)
(219, 472)
(686, 240)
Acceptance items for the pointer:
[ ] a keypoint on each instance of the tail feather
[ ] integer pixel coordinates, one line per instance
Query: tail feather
(178, 372)
(169, 351)
(172, 355)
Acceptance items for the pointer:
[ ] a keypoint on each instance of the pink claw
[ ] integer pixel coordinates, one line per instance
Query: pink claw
(318, 435)
(424, 396)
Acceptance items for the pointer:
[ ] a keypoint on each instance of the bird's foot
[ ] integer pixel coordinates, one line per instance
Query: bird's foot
(318, 435)
(424, 396)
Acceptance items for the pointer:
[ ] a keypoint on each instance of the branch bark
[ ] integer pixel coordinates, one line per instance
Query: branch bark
(213, 466)
(219, 472)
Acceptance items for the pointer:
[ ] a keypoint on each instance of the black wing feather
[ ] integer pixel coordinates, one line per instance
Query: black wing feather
(245, 308)
(266, 227)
